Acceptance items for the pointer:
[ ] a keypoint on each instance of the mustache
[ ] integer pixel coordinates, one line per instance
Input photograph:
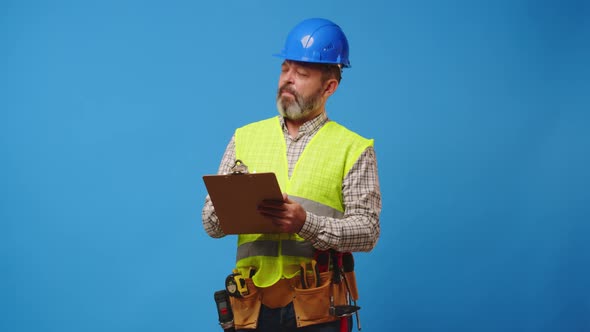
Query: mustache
(289, 89)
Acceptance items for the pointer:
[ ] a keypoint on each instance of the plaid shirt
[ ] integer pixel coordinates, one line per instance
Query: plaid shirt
(358, 230)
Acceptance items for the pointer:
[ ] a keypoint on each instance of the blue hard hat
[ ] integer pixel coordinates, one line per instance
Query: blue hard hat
(316, 40)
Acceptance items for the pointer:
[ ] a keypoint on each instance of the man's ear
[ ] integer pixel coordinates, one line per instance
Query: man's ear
(330, 87)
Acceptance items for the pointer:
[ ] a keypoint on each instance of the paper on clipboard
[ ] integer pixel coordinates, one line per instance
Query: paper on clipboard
(235, 198)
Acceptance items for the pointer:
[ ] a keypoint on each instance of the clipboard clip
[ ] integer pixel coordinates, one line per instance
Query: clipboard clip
(239, 168)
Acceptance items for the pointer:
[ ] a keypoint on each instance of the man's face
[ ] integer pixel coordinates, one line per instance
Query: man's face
(300, 94)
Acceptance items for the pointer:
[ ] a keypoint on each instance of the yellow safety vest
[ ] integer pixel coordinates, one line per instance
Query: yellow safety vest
(316, 183)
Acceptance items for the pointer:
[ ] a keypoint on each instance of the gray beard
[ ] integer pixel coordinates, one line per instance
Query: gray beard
(300, 108)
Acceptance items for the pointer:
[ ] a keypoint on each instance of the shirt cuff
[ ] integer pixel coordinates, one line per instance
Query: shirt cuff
(311, 227)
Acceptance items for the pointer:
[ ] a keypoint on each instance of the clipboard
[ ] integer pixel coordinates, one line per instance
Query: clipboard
(235, 198)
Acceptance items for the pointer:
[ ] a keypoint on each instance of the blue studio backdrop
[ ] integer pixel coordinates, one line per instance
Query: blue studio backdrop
(111, 111)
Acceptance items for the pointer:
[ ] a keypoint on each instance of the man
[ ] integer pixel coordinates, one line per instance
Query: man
(331, 202)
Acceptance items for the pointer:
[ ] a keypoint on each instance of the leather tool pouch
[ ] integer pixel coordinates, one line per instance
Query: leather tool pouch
(246, 309)
(312, 305)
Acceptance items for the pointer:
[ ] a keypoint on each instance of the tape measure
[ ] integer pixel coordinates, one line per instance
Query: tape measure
(235, 285)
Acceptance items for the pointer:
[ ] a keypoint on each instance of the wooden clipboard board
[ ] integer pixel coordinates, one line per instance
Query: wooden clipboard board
(235, 198)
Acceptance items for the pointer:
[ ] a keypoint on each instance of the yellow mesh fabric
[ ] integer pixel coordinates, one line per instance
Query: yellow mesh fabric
(317, 176)
(325, 162)
(261, 146)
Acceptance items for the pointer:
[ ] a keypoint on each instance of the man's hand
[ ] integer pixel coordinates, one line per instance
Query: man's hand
(288, 215)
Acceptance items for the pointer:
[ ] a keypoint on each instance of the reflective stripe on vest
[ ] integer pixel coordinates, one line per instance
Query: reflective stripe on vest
(270, 248)
(316, 184)
(289, 247)
(317, 208)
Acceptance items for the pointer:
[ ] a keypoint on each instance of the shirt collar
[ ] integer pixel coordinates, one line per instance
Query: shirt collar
(308, 127)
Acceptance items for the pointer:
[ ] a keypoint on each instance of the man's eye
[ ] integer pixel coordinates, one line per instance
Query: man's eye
(301, 73)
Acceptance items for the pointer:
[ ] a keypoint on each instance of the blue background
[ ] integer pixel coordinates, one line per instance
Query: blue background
(111, 111)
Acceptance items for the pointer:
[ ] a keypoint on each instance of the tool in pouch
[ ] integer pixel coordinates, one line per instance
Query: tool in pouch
(303, 274)
(224, 311)
(235, 283)
(342, 263)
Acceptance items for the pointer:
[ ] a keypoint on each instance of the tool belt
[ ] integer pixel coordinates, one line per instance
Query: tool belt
(313, 297)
